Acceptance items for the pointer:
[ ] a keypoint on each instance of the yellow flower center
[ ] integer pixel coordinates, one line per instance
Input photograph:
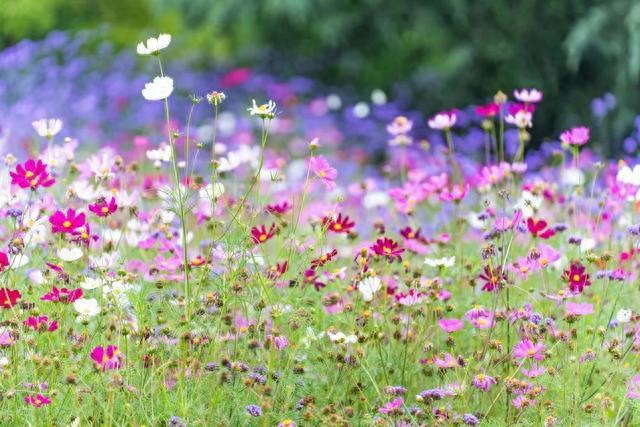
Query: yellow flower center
(104, 209)
(66, 224)
(263, 237)
(33, 182)
(576, 277)
(29, 174)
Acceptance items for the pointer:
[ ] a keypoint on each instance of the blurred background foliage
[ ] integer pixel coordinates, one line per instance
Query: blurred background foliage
(435, 53)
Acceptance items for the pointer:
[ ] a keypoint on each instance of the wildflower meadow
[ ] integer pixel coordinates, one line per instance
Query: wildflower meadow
(270, 253)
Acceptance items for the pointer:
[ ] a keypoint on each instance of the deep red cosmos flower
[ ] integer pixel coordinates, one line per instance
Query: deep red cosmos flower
(261, 235)
(4, 261)
(107, 358)
(279, 208)
(9, 297)
(538, 228)
(311, 277)
(63, 295)
(32, 175)
(411, 234)
(492, 278)
(198, 261)
(576, 277)
(66, 223)
(102, 208)
(388, 248)
(41, 323)
(278, 270)
(323, 259)
(341, 224)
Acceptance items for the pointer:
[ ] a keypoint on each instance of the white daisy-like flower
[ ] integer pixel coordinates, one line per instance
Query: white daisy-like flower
(36, 277)
(341, 338)
(627, 175)
(70, 254)
(17, 261)
(91, 283)
(624, 315)
(368, 287)
(154, 45)
(86, 308)
(47, 128)
(265, 111)
(440, 262)
(158, 89)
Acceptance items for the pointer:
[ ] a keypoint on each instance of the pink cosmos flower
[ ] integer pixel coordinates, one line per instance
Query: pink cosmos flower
(575, 136)
(400, 126)
(280, 342)
(393, 407)
(7, 339)
(527, 349)
(321, 168)
(633, 388)
(455, 193)
(66, 223)
(102, 208)
(107, 358)
(37, 400)
(579, 308)
(411, 298)
(535, 371)
(480, 318)
(63, 295)
(450, 325)
(446, 362)
(483, 382)
(41, 323)
(32, 175)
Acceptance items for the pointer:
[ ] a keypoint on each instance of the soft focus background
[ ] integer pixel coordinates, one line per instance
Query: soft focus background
(425, 55)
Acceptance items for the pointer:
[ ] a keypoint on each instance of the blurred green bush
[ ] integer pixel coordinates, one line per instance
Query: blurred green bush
(438, 53)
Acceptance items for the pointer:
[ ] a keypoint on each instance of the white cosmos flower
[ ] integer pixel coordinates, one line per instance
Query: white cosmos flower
(368, 287)
(528, 203)
(624, 315)
(91, 283)
(158, 89)
(265, 111)
(440, 262)
(106, 260)
(375, 199)
(627, 175)
(36, 277)
(154, 45)
(47, 128)
(86, 308)
(17, 261)
(159, 155)
(341, 338)
(70, 254)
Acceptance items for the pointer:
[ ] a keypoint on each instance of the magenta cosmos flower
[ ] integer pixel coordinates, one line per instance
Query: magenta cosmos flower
(37, 400)
(576, 136)
(323, 170)
(62, 295)
(387, 248)
(455, 193)
(450, 325)
(4, 261)
(577, 278)
(102, 208)
(41, 323)
(527, 349)
(107, 358)
(66, 223)
(32, 175)
(483, 382)
(393, 407)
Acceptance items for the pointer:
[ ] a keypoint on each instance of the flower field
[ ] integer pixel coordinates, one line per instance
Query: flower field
(271, 253)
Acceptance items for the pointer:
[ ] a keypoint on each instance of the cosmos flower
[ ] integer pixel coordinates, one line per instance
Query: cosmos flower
(264, 111)
(527, 349)
(576, 277)
(400, 126)
(368, 287)
(444, 120)
(33, 174)
(341, 224)
(387, 248)
(108, 358)
(9, 297)
(4, 261)
(489, 110)
(444, 262)
(86, 308)
(66, 223)
(260, 234)
(41, 323)
(63, 295)
(450, 325)
(158, 89)
(528, 95)
(493, 278)
(579, 309)
(70, 254)
(575, 136)
(483, 382)
(393, 407)
(154, 45)
(38, 400)
(47, 128)
(538, 228)
(321, 168)
(102, 208)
